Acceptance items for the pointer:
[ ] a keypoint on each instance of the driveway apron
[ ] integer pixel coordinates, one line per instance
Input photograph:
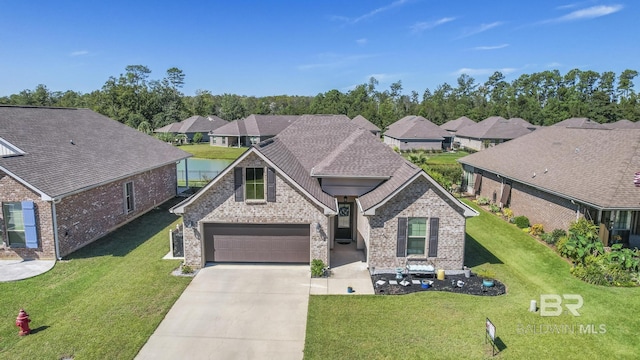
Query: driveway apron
(236, 311)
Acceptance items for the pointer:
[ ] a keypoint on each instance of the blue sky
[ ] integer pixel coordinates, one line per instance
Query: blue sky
(305, 47)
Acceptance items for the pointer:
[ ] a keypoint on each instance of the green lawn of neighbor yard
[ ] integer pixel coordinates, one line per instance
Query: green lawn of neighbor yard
(206, 151)
(439, 325)
(102, 302)
(445, 158)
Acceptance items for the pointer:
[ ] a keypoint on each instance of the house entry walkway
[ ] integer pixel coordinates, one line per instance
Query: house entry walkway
(13, 270)
(348, 269)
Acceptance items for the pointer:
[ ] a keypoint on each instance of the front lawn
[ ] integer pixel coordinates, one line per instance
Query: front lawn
(206, 151)
(102, 302)
(443, 325)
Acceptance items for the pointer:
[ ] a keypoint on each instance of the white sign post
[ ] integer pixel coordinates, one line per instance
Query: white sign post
(491, 335)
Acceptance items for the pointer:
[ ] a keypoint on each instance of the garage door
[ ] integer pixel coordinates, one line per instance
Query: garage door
(281, 243)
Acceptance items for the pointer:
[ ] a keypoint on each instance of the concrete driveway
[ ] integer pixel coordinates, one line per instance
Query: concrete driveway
(236, 312)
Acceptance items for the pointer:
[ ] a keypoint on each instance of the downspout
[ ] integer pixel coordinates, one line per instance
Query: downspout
(56, 243)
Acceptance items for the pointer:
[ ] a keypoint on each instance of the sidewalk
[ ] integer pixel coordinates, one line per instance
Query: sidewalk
(13, 270)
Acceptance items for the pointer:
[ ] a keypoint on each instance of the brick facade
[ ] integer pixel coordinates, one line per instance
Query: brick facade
(10, 191)
(86, 216)
(419, 199)
(218, 205)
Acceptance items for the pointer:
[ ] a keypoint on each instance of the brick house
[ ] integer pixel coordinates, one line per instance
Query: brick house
(556, 175)
(320, 183)
(70, 176)
(416, 133)
(250, 130)
(491, 131)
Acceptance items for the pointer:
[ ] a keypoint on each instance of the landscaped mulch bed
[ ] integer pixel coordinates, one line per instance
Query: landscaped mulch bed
(472, 285)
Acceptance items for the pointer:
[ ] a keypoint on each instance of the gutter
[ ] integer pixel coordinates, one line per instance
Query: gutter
(56, 241)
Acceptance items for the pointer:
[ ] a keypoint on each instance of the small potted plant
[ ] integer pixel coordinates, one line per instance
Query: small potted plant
(487, 276)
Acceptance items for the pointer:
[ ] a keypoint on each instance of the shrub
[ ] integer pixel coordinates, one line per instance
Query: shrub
(597, 270)
(536, 230)
(483, 200)
(560, 245)
(521, 221)
(556, 234)
(317, 268)
(186, 269)
(494, 208)
(486, 273)
(508, 213)
(197, 137)
(582, 241)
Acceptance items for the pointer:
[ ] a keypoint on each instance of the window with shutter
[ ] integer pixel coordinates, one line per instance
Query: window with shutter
(271, 185)
(402, 237)
(29, 220)
(238, 182)
(434, 227)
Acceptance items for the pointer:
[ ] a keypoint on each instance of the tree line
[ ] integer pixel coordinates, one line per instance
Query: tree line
(542, 98)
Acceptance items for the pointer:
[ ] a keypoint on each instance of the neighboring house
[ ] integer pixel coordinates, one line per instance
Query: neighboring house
(452, 126)
(624, 124)
(324, 181)
(362, 122)
(557, 174)
(70, 176)
(193, 125)
(416, 132)
(492, 131)
(581, 123)
(251, 130)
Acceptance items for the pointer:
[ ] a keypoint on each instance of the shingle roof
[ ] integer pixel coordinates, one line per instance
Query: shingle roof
(495, 127)
(595, 166)
(67, 150)
(256, 125)
(457, 124)
(416, 127)
(582, 123)
(364, 123)
(194, 124)
(331, 145)
(624, 124)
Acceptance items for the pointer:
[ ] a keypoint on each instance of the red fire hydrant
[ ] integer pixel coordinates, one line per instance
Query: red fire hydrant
(22, 321)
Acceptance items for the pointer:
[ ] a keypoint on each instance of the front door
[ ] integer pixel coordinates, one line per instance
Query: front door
(344, 222)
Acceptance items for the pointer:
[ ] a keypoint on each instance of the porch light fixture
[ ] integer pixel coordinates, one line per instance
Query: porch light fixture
(345, 198)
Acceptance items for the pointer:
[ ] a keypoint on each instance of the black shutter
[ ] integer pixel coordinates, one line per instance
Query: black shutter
(238, 183)
(434, 224)
(271, 185)
(476, 186)
(402, 237)
(506, 191)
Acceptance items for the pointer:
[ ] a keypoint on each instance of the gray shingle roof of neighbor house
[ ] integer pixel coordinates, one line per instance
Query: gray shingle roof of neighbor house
(194, 124)
(69, 150)
(364, 123)
(582, 123)
(495, 127)
(333, 146)
(256, 125)
(457, 124)
(416, 127)
(595, 166)
(624, 124)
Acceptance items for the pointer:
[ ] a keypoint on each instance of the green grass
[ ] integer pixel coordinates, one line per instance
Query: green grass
(451, 326)
(445, 158)
(206, 151)
(103, 302)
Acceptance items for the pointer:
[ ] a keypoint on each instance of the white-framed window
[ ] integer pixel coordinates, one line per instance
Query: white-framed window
(254, 183)
(128, 197)
(14, 224)
(416, 236)
(224, 140)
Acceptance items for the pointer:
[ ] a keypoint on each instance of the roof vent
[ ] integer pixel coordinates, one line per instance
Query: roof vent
(71, 142)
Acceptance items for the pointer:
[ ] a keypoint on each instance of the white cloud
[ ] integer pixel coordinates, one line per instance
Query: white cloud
(422, 26)
(475, 72)
(494, 47)
(588, 13)
(362, 41)
(371, 13)
(332, 61)
(482, 28)
(79, 53)
(554, 64)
